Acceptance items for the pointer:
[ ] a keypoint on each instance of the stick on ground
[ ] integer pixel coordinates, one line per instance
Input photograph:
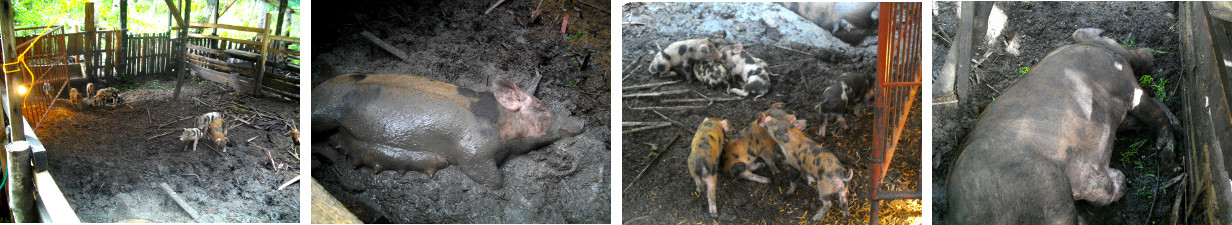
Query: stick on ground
(288, 183)
(178, 200)
(653, 94)
(386, 46)
(485, 12)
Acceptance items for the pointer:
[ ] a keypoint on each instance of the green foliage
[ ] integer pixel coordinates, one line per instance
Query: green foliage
(1130, 43)
(1024, 70)
(1127, 156)
(576, 36)
(146, 16)
(1156, 86)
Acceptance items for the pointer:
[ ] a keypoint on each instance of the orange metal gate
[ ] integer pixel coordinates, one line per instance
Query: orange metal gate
(45, 70)
(898, 87)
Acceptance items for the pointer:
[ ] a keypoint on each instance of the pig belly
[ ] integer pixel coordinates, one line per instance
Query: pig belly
(383, 157)
(416, 123)
(1014, 189)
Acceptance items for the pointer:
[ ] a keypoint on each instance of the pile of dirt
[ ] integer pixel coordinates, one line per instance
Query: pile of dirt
(665, 194)
(109, 161)
(455, 42)
(1040, 27)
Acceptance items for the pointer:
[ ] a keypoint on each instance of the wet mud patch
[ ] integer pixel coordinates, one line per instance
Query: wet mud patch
(109, 162)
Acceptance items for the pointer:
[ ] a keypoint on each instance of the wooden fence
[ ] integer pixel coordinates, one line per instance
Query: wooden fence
(147, 54)
(238, 62)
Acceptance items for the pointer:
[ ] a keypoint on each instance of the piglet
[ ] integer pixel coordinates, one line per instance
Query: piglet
(704, 159)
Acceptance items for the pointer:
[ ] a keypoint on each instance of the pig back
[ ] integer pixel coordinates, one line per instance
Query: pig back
(411, 112)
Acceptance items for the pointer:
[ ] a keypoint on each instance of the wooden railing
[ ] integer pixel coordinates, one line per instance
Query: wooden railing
(225, 60)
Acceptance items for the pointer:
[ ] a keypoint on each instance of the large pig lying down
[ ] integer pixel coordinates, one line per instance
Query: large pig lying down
(1046, 141)
(406, 122)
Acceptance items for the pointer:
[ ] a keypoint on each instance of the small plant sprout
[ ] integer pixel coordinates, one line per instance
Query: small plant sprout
(1024, 70)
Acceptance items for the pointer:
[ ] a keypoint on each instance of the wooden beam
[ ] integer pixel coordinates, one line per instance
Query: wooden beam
(224, 26)
(256, 90)
(224, 9)
(285, 38)
(171, 5)
(282, 12)
(183, 70)
(90, 42)
(247, 42)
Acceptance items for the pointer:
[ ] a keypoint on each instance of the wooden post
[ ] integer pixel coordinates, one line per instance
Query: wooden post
(214, 43)
(12, 99)
(282, 12)
(265, 40)
(123, 53)
(183, 59)
(90, 42)
(21, 186)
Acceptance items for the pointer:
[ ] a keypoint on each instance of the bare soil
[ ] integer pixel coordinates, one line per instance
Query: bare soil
(1041, 27)
(453, 41)
(109, 161)
(665, 194)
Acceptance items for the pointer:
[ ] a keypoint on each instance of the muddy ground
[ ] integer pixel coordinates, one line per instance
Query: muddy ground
(1041, 27)
(664, 194)
(452, 41)
(109, 162)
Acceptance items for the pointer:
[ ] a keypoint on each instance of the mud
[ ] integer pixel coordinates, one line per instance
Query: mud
(1041, 27)
(453, 41)
(803, 62)
(109, 162)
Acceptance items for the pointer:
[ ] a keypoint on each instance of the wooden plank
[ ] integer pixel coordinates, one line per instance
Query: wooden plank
(49, 193)
(265, 41)
(288, 52)
(225, 26)
(284, 38)
(206, 50)
(179, 20)
(195, 35)
(328, 210)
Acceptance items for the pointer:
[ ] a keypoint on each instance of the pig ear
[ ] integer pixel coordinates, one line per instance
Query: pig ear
(724, 123)
(508, 94)
(764, 120)
(801, 124)
(738, 48)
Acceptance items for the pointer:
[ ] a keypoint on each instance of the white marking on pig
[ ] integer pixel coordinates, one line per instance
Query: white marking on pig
(1137, 98)
(844, 95)
(1118, 66)
(1084, 93)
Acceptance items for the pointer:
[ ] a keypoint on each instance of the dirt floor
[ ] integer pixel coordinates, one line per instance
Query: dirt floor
(109, 162)
(452, 41)
(1041, 27)
(664, 194)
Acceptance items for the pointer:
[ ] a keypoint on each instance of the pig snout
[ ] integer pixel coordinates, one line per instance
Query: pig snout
(566, 126)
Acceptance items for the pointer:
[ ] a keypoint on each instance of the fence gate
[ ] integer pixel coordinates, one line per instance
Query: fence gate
(45, 67)
(898, 87)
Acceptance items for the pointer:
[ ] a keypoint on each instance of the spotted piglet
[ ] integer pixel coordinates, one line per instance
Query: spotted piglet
(704, 159)
(751, 70)
(808, 159)
(710, 72)
(678, 57)
(840, 98)
(740, 154)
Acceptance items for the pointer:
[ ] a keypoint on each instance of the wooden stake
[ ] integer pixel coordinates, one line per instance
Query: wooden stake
(191, 212)
(389, 48)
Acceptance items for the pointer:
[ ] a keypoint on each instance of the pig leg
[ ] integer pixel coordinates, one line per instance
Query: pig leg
(383, 157)
(825, 203)
(711, 182)
(792, 173)
(825, 120)
(1096, 183)
(1156, 116)
(770, 162)
(748, 174)
(697, 182)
